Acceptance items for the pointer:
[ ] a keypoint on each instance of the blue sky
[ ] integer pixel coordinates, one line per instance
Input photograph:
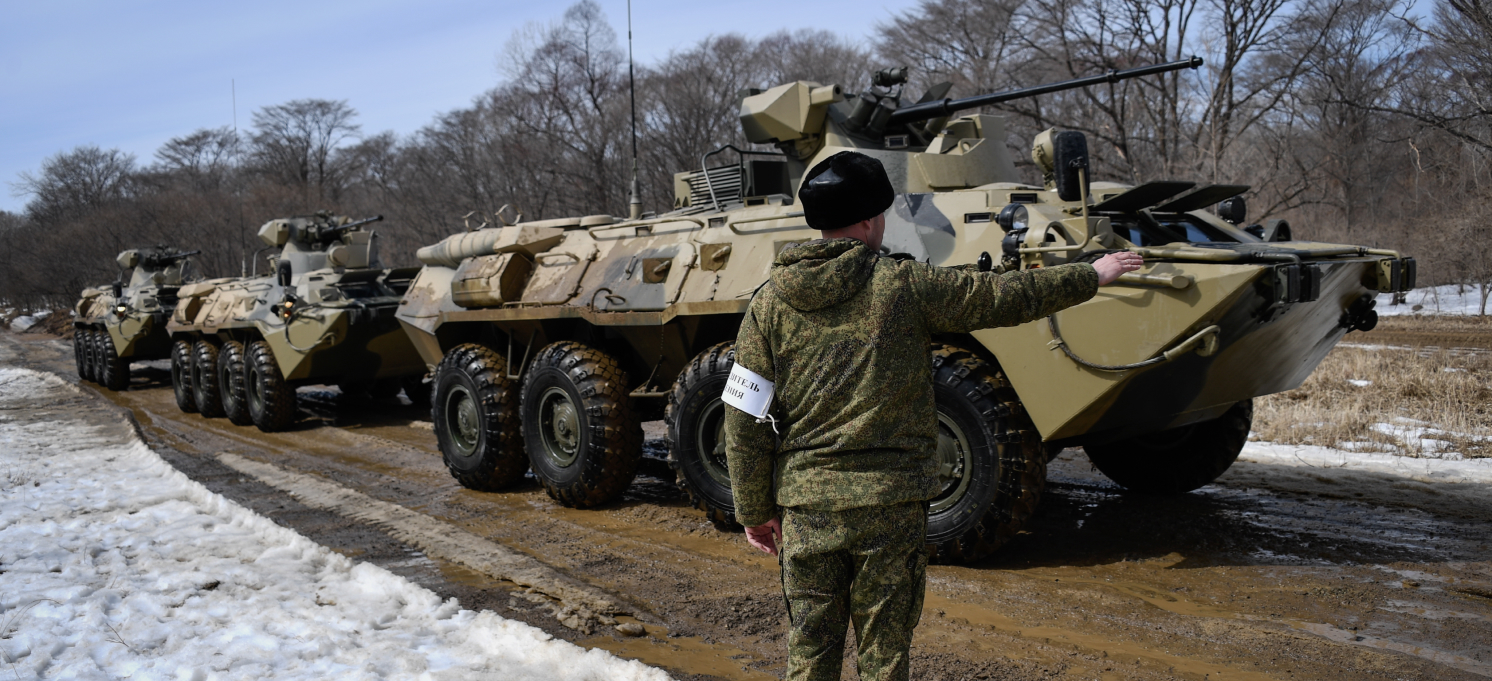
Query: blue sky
(132, 74)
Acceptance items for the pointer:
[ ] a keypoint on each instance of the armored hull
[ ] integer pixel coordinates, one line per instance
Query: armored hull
(551, 340)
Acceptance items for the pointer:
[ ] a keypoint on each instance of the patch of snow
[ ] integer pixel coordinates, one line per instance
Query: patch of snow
(1423, 470)
(1450, 299)
(23, 323)
(1359, 382)
(117, 565)
(1453, 370)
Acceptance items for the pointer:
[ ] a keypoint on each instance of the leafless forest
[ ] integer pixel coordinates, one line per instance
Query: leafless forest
(1366, 121)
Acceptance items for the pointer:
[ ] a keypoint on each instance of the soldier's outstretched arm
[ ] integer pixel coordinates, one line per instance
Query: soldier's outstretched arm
(959, 301)
(751, 447)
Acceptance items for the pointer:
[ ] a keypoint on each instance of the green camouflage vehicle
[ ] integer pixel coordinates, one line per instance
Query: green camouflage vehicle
(239, 347)
(553, 340)
(126, 322)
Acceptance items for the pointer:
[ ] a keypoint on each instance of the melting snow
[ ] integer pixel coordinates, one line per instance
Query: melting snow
(113, 564)
(1439, 300)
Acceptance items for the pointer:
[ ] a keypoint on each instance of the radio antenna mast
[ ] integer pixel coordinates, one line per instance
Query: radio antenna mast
(634, 204)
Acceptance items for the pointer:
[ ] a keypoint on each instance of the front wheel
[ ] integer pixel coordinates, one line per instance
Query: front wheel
(205, 385)
(181, 376)
(696, 432)
(271, 400)
(1178, 460)
(583, 440)
(475, 414)
(230, 371)
(84, 339)
(991, 462)
(79, 356)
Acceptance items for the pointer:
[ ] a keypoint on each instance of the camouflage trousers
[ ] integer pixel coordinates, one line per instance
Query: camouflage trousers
(863, 565)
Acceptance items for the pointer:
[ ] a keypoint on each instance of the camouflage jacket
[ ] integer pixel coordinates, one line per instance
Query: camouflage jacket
(845, 335)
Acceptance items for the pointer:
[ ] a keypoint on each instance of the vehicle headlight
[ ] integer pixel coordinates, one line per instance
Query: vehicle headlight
(1013, 217)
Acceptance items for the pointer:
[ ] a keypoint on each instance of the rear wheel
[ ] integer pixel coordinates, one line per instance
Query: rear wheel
(583, 441)
(205, 387)
(1178, 460)
(991, 462)
(475, 413)
(113, 370)
(95, 353)
(230, 371)
(84, 339)
(271, 400)
(181, 376)
(696, 432)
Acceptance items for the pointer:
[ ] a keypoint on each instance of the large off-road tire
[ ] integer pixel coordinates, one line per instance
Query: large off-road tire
(92, 351)
(181, 376)
(475, 413)
(271, 400)
(80, 356)
(417, 390)
(113, 370)
(992, 464)
(230, 371)
(84, 341)
(205, 387)
(696, 432)
(1178, 460)
(584, 442)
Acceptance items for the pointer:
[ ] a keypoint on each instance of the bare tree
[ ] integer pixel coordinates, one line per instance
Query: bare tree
(75, 182)
(294, 143)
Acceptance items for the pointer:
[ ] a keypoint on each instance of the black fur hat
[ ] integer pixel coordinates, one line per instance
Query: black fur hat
(844, 189)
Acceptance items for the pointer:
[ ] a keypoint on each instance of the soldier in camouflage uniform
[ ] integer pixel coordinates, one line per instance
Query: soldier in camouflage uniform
(844, 334)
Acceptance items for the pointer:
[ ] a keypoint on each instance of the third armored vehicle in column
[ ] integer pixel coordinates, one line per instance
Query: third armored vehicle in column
(553, 340)
(126, 321)
(325, 314)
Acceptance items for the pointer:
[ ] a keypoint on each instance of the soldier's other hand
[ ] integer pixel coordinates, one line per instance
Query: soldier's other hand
(765, 536)
(1114, 264)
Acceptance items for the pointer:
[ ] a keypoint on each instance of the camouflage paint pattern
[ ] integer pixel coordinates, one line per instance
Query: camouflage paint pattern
(866, 566)
(845, 335)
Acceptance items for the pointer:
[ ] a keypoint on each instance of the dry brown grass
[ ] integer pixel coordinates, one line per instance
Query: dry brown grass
(1446, 391)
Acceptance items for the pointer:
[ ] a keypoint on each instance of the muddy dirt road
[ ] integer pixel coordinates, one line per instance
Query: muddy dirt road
(1275, 572)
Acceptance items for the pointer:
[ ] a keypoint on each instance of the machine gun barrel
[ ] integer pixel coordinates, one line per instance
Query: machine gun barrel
(947, 107)
(165, 259)
(328, 232)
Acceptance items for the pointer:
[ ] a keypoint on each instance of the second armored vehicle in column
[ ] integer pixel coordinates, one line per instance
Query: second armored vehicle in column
(126, 321)
(325, 314)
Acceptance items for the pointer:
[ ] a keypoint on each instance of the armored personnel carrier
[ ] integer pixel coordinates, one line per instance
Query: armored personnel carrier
(239, 347)
(126, 321)
(554, 339)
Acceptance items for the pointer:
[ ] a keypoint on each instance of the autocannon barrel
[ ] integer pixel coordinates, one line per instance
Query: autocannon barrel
(947, 107)
(164, 259)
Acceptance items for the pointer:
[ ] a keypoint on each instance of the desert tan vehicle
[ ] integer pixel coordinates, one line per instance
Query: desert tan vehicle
(126, 322)
(239, 347)
(553, 340)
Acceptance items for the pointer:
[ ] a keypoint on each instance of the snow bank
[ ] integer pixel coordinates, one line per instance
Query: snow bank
(1421, 469)
(113, 564)
(1438, 300)
(23, 323)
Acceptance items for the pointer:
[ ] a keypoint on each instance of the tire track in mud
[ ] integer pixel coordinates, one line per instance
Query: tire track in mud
(584, 604)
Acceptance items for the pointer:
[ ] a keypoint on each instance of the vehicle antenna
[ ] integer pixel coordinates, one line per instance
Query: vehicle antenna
(634, 204)
(243, 260)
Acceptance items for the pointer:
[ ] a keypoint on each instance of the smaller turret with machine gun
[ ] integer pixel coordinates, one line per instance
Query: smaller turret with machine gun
(126, 321)
(323, 315)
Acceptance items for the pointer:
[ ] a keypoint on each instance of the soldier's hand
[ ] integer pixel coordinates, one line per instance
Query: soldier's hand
(766, 536)
(1114, 264)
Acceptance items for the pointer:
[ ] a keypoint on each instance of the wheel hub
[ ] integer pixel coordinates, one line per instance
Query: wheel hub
(464, 421)
(955, 459)
(709, 441)
(559, 422)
